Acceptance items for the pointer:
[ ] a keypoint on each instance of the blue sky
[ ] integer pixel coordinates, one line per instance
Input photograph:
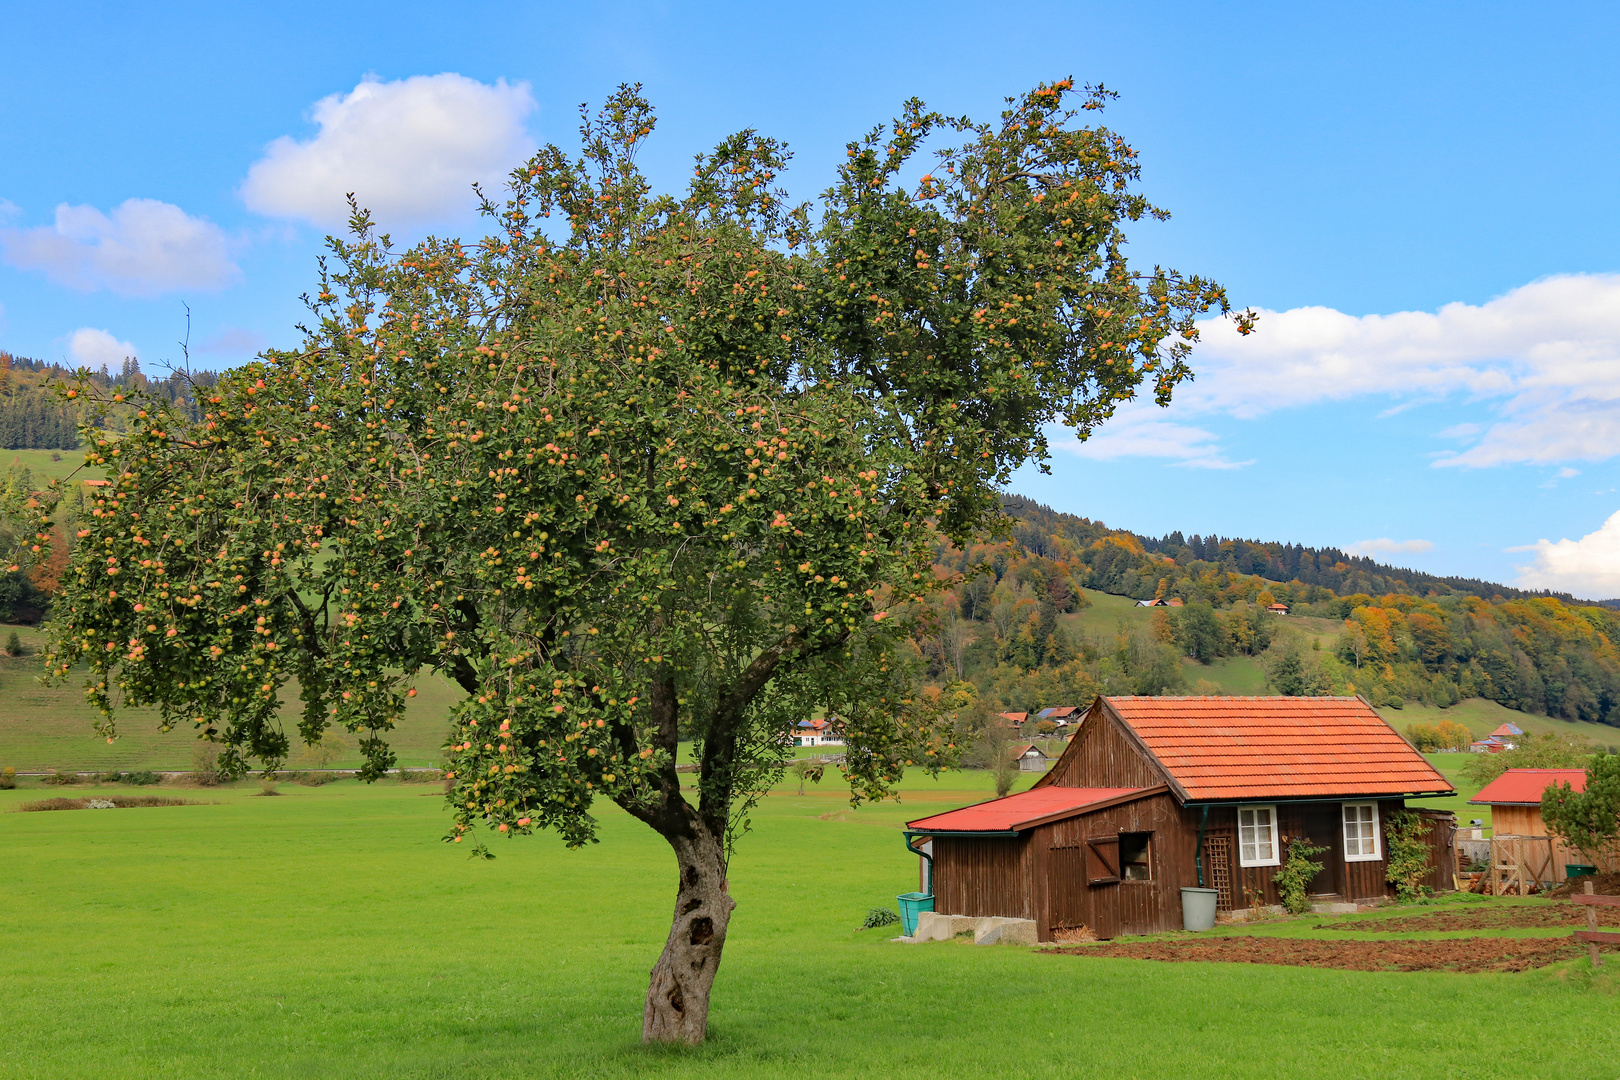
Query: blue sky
(1421, 197)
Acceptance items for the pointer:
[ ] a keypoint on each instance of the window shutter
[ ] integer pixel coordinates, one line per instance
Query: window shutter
(1102, 860)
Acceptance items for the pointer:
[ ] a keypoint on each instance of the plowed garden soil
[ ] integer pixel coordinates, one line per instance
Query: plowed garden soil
(1602, 884)
(1513, 918)
(1453, 954)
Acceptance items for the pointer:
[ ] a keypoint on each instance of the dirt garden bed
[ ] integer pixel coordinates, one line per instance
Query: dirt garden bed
(1453, 954)
(1602, 884)
(1510, 918)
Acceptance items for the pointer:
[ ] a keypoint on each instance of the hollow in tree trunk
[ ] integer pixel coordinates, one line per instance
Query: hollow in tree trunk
(678, 997)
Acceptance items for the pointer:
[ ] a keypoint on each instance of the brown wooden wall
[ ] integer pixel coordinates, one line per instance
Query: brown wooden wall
(1321, 824)
(983, 876)
(1045, 873)
(1129, 907)
(1102, 755)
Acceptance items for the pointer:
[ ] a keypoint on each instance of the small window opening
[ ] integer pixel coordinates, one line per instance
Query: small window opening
(1134, 864)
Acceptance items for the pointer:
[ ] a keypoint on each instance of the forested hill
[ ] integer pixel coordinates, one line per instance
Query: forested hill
(32, 417)
(1403, 636)
(1338, 572)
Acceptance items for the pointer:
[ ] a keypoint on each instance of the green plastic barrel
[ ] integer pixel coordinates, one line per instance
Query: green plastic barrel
(1578, 870)
(913, 904)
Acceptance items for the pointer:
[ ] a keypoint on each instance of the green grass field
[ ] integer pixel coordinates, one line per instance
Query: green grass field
(49, 727)
(40, 463)
(328, 933)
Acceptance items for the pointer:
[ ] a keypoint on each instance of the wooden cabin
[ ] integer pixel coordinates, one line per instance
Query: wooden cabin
(1030, 758)
(1156, 793)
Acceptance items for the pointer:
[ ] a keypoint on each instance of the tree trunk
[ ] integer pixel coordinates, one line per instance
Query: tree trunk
(678, 997)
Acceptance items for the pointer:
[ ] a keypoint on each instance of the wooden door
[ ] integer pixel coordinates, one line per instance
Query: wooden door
(1066, 899)
(1102, 883)
(1324, 828)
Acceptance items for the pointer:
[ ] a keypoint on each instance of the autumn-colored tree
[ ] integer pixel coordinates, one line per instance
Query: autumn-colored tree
(635, 468)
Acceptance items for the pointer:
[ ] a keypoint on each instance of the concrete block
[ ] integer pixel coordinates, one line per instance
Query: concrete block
(938, 926)
(1004, 931)
(1333, 909)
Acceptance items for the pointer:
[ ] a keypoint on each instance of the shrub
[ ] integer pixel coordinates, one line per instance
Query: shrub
(205, 765)
(117, 801)
(420, 776)
(1006, 776)
(1445, 735)
(879, 916)
(14, 646)
(60, 778)
(1587, 821)
(1548, 750)
(1296, 874)
(1406, 854)
(8, 778)
(142, 778)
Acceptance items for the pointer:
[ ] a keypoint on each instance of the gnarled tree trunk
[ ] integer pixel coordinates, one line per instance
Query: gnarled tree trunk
(678, 996)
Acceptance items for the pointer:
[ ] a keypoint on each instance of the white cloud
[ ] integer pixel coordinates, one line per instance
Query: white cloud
(409, 150)
(1588, 567)
(143, 248)
(1140, 430)
(91, 348)
(1547, 354)
(1385, 546)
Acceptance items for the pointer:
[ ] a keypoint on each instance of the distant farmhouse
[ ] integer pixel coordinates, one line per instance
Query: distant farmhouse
(1505, 737)
(1156, 793)
(817, 733)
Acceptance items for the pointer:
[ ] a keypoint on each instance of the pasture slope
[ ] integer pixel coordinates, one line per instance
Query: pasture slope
(327, 933)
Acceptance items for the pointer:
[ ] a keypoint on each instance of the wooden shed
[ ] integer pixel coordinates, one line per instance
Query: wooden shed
(1156, 793)
(1523, 855)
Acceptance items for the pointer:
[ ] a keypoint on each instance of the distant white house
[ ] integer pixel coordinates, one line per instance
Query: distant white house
(816, 733)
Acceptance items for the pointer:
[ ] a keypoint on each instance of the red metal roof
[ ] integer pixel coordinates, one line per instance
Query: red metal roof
(1220, 748)
(1523, 787)
(1021, 810)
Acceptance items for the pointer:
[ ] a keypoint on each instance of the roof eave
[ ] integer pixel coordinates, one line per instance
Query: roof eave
(1358, 797)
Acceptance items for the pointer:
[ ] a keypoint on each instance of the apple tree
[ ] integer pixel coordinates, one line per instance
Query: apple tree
(634, 469)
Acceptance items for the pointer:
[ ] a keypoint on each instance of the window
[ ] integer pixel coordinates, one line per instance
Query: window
(1361, 832)
(1133, 856)
(1257, 836)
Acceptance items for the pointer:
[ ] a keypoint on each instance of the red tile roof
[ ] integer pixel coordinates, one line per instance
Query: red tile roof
(1022, 810)
(1221, 748)
(1523, 787)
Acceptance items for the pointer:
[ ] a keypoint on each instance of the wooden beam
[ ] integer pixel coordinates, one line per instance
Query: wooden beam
(1598, 901)
(1606, 937)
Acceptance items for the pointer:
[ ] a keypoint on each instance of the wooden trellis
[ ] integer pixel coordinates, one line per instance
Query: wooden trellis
(1218, 870)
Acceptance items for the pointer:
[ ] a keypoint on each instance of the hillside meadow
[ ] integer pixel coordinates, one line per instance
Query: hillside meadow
(329, 933)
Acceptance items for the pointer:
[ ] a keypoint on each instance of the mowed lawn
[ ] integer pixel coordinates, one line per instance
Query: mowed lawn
(328, 933)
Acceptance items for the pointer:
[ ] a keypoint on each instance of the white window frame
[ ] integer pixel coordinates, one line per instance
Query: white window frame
(1275, 859)
(1377, 833)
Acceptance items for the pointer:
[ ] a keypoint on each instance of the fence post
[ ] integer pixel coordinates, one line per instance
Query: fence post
(1591, 924)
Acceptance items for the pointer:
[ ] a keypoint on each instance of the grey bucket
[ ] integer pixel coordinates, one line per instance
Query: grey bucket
(1197, 908)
